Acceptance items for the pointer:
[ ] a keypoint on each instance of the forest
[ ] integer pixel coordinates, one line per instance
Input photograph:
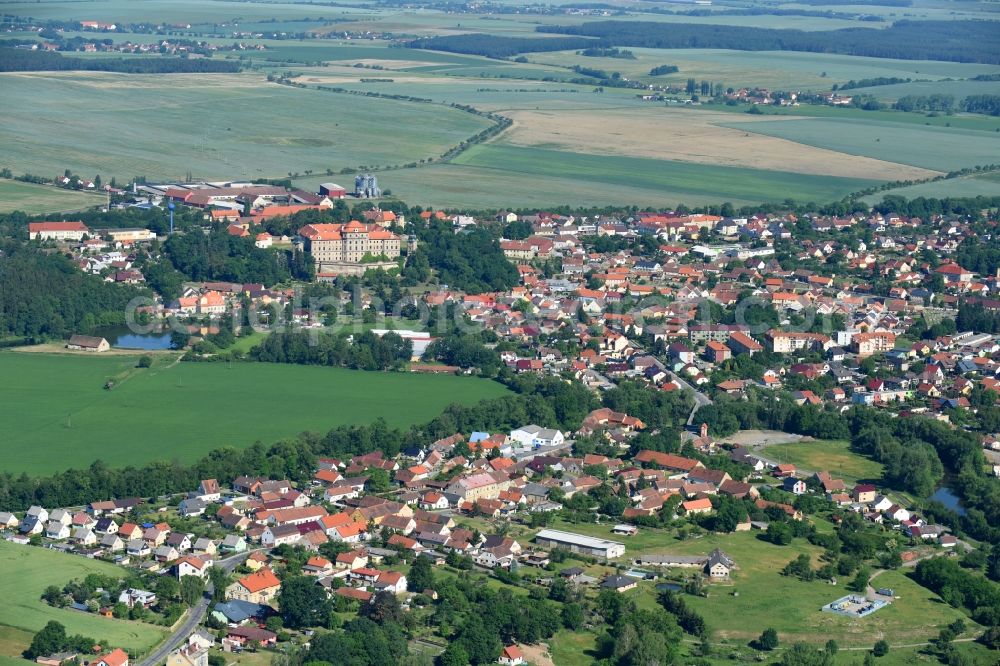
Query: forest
(24, 60)
(957, 41)
(47, 296)
(980, 255)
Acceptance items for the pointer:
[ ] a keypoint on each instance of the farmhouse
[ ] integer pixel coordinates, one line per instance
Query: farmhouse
(88, 343)
(719, 565)
(578, 543)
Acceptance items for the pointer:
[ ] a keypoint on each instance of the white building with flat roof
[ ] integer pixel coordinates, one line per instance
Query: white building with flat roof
(579, 543)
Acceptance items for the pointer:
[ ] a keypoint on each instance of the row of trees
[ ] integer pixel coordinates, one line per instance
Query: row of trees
(937, 103)
(24, 60)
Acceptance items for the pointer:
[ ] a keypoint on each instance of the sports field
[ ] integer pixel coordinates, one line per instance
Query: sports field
(56, 414)
(36, 199)
(27, 571)
(833, 456)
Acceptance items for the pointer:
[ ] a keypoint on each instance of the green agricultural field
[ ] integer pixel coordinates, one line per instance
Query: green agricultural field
(176, 11)
(834, 456)
(218, 126)
(27, 571)
(767, 69)
(681, 181)
(957, 89)
(36, 199)
(477, 188)
(56, 413)
(938, 148)
(986, 185)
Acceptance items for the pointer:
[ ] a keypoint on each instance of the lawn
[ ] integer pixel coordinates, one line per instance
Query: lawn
(217, 126)
(833, 456)
(27, 571)
(573, 648)
(37, 199)
(56, 414)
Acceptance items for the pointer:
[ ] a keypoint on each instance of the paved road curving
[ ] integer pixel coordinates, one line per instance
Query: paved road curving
(192, 618)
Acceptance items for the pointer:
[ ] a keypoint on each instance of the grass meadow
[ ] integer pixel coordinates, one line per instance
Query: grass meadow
(761, 597)
(57, 415)
(27, 571)
(833, 456)
(37, 199)
(768, 599)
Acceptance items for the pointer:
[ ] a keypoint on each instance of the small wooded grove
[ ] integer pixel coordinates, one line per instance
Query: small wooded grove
(958, 41)
(46, 295)
(221, 256)
(367, 351)
(961, 588)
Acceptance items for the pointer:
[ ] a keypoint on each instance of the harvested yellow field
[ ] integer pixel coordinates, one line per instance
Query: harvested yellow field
(689, 135)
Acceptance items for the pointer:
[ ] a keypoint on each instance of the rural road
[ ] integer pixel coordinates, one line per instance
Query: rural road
(192, 618)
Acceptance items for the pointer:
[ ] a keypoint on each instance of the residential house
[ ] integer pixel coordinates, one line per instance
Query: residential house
(260, 587)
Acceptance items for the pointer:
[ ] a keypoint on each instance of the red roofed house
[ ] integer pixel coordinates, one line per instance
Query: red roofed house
(117, 657)
(511, 656)
(391, 581)
(667, 460)
(953, 273)
(716, 352)
(694, 507)
(259, 587)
